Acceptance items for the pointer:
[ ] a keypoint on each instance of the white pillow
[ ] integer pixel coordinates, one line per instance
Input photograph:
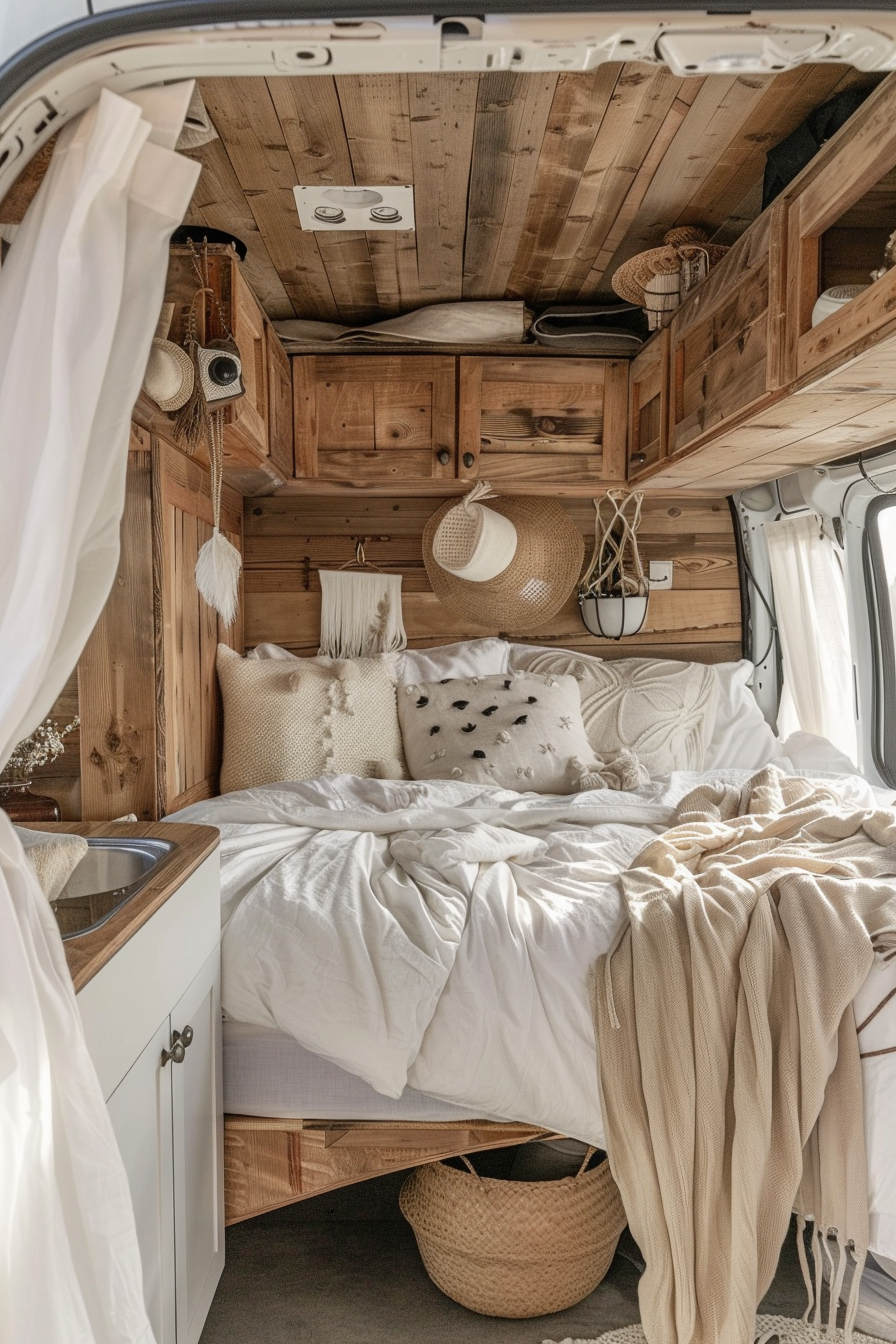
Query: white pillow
(741, 738)
(661, 710)
(469, 658)
(305, 717)
(517, 730)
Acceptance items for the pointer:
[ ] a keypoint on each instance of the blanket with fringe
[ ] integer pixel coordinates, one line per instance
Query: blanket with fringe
(729, 1064)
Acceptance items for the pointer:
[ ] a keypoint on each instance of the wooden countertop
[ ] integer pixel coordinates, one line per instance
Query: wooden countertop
(88, 953)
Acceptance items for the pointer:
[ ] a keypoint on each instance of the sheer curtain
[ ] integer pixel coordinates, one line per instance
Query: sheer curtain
(813, 625)
(80, 294)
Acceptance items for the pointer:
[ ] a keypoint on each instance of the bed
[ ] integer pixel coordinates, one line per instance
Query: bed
(405, 962)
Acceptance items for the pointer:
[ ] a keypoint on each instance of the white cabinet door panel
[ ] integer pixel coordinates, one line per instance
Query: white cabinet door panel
(197, 1098)
(140, 1109)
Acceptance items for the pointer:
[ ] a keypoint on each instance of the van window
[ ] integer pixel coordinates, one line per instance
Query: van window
(813, 625)
(880, 554)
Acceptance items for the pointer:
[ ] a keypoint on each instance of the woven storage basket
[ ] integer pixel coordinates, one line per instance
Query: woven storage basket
(514, 1248)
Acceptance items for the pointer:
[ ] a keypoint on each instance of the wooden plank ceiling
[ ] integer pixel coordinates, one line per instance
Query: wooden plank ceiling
(531, 186)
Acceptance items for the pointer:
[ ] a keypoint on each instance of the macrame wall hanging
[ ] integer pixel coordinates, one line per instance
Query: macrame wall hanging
(218, 382)
(613, 591)
(360, 610)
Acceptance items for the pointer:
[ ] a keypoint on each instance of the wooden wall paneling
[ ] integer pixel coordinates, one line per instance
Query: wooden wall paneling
(220, 203)
(611, 239)
(511, 116)
(61, 779)
(443, 117)
(188, 631)
(376, 118)
(641, 101)
(250, 130)
(577, 113)
(287, 540)
(116, 681)
(247, 418)
(280, 409)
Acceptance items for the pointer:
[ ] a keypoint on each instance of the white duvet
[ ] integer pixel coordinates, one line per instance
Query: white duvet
(440, 935)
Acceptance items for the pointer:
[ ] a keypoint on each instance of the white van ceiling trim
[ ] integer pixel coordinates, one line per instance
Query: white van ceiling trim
(47, 93)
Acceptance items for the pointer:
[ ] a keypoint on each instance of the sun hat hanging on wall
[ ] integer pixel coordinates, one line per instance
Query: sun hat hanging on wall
(509, 566)
(658, 280)
(169, 376)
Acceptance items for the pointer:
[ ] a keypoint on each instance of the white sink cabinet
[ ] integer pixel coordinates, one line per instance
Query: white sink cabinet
(162, 1084)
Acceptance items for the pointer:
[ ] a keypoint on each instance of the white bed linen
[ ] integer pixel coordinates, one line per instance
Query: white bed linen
(440, 934)
(267, 1072)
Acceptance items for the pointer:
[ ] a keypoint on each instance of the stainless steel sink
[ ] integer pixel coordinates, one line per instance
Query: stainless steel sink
(112, 872)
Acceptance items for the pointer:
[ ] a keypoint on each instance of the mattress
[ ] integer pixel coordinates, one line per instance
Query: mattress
(267, 1072)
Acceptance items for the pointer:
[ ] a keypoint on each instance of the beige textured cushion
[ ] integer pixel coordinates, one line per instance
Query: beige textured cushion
(305, 717)
(519, 730)
(661, 710)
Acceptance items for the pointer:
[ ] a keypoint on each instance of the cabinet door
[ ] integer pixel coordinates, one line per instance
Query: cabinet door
(246, 420)
(197, 1102)
(140, 1110)
(649, 424)
(543, 421)
(279, 402)
(374, 419)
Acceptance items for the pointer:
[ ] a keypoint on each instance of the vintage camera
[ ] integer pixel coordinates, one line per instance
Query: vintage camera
(220, 372)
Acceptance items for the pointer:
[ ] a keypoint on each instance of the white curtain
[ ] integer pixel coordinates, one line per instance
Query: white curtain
(813, 624)
(80, 294)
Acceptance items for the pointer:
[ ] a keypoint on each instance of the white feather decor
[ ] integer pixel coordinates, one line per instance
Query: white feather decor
(360, 614)
(218, 568)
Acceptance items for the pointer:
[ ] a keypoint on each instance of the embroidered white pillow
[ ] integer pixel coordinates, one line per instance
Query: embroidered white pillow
(661, 710)
(299, 718)
(519, 730)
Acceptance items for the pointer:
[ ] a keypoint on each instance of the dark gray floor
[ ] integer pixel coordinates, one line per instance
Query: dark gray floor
(344, 1269)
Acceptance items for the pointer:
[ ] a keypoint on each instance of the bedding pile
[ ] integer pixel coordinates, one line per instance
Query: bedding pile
(440, 934)
(729, 1061)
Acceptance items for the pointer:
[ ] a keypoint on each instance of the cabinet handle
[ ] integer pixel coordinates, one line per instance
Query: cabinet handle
(176, 1054)
(637, 459)
(180, 1043)
(468, 460)
(443, 456)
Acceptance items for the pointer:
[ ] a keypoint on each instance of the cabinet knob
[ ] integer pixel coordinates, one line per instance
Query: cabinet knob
(176, 1054)
(468, 460)
(443, 456)
(180, 1043)
(637, 459)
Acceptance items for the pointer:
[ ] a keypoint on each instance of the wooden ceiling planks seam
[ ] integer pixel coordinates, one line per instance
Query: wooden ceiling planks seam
(532, 186)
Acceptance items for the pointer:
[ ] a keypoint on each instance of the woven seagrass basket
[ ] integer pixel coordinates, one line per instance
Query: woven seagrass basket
(514, 1248)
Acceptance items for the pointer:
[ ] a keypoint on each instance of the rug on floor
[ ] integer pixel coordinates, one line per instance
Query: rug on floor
(788, 1330)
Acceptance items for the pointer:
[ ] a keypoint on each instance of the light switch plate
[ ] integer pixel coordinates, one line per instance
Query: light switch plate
(660, 574)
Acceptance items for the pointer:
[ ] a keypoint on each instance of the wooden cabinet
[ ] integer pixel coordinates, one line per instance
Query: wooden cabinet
(838, 225)
(719, 341)
(373, 420)
(168, 1115)
(649, 406)
(258, 426)
(542, 420)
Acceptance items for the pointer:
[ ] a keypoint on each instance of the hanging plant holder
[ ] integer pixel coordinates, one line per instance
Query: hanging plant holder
(613, 594)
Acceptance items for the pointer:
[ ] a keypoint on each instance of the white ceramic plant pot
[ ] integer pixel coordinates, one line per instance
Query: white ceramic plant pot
(613, 617)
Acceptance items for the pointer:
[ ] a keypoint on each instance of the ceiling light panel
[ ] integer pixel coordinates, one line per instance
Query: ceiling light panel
(359, 209)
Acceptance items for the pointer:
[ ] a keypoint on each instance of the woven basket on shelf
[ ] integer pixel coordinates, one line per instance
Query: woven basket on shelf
(514, 1248)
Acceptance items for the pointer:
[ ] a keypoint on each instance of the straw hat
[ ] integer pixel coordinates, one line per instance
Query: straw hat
(515, 594)
(169, 375)
(657, 280)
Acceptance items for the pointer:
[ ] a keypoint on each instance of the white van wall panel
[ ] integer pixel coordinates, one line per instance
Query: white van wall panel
(24, 21)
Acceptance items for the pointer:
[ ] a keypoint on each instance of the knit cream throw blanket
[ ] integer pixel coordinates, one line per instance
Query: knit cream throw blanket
(729, 1066)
